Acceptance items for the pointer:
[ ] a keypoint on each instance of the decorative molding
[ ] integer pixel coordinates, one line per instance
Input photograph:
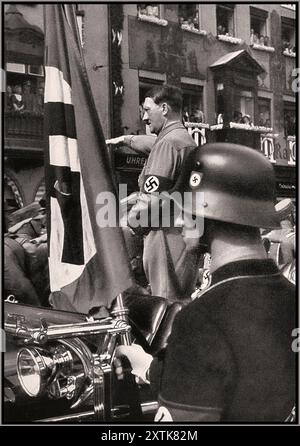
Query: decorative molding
(236, 125)
(229, 39)
(290, 6)
(289, 53)
(268, 49)
(200, 32)
(198, 125)
(152, 19)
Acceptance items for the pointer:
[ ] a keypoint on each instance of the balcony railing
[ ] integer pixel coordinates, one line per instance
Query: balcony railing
(24, 125)
(197, 131)
(291, 145)
(268, 142)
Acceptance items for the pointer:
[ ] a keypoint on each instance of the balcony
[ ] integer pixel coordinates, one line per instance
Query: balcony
(268, 148)
(197, 130)
(25, 125)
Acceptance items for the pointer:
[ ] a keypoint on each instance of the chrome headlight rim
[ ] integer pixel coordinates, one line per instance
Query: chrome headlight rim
(40, 368)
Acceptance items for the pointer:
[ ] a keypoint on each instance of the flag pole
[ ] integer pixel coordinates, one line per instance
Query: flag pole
(120, 312)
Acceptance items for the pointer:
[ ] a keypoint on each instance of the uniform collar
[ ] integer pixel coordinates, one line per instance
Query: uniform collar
(168, 127)
(255, 267)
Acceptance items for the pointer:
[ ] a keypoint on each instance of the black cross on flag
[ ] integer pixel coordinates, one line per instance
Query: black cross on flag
(88, 264)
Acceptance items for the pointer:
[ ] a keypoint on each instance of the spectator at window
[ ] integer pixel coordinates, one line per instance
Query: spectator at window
(196, 20)
(142, 9)
(191, 23)
(247, 120)
(261, 119)
(261, 40)
(149, 9)
(28, 97)
(185, 115)
(188, 16)
(268, 123)
(198, 116)
(220, 30)
(237, 116)
(39, 101)
(17, 99)
(155, 11)
(266, 41)
(220, 118)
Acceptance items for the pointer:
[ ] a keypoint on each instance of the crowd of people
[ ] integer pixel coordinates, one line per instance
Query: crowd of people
(289, 47)
(259, 39)
(223, 31)
(149, 9)
(196, 115)
(24, 99)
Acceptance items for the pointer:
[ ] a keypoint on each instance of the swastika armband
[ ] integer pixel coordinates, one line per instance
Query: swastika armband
(155, 183)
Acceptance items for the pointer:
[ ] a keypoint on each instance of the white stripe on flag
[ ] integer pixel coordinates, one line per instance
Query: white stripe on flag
(89, 247)
(62, 274)
(63, 152)
(56, 88)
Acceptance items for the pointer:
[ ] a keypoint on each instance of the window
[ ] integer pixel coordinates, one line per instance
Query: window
(258, 27)
(188, 16)
(289, 116)
(151, 12)
(36, 70)
(225, 20)
(243, 107)
(288, 32)
(16, 67)
(264, 112)
(149, 9)
(193, 103)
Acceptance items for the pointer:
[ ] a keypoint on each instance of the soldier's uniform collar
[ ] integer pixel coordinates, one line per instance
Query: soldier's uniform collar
(244, 268)
(168, 128)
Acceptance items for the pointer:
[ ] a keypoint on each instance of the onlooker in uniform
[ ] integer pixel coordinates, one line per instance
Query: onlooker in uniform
(229, 357)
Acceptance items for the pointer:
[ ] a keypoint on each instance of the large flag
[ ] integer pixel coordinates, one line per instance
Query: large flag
(88, 264)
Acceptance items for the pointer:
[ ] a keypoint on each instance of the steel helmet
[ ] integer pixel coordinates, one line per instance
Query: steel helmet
(237, 185)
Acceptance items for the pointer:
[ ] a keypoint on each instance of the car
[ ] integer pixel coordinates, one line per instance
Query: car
(58, 365)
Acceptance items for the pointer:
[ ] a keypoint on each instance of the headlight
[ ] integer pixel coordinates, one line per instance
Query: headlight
(34, 367)
(59, 370)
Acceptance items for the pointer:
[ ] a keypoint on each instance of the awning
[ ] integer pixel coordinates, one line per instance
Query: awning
(241, 60)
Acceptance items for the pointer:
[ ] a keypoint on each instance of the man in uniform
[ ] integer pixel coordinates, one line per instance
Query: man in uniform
(170, 268)
(229, 356)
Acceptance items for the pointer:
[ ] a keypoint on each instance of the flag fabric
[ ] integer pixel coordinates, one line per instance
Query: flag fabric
(88, 264)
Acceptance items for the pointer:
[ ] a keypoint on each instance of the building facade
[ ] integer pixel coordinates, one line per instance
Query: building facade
(234, 62)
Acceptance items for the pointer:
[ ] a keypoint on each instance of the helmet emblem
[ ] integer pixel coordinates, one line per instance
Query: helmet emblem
(151, 184)
(195, 179)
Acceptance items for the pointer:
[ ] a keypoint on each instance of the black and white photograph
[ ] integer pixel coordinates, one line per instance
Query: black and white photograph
(149, 216)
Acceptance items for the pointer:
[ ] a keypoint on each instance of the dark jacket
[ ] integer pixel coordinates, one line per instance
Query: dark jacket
(230, 351)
